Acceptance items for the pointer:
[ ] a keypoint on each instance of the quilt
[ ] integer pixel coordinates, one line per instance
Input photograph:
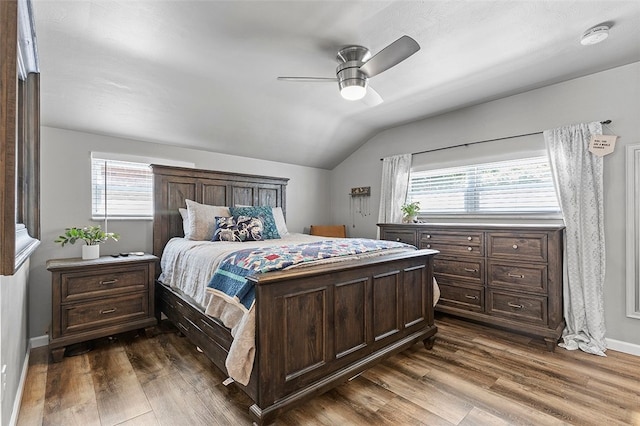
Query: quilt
(230, 276)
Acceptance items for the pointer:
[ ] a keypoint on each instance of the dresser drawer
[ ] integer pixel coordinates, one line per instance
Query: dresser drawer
(407, 237)
(453, 250)
(467, 298)
(529, 247)
(109, 281)
(472, 238)
(468, 270)
(531, 277)
(104, 312)
(517, 306)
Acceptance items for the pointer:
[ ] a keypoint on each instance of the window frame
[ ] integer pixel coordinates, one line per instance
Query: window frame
(136, 159)
(19, 137)
(484, 215)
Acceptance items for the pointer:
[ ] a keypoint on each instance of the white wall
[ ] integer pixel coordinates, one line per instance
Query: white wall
(13, 335)
(613, 94)
(66, 200)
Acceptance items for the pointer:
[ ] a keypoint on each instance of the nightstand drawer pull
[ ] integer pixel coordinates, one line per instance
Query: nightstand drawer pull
(470, 270)
(513, 305)
(108, 311)
(398, 239)
(470, 248)
(469, 238)
(515, 275)
(109, 282)
(471, 297)
(515, 247)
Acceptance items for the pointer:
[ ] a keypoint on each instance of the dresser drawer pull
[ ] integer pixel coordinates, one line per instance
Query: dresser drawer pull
(398, 239)
(428, 245)
(428, 236)
(109, 282)
(515, 247)
(469, 238)
(513, 305)
(470, 248)
(107, 311)
(471, 297)
(515, 275)
(470, 270)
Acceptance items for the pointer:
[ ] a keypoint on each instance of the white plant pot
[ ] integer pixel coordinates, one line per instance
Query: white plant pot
(91, 252)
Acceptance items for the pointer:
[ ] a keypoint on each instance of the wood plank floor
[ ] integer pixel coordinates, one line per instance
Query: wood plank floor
(473, 376)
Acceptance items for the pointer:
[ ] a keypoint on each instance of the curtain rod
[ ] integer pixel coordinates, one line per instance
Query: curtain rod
(486, 140)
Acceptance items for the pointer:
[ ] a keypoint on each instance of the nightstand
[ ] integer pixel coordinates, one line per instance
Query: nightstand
(98, 298)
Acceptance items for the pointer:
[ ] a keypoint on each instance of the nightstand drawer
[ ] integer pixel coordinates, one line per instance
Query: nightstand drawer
(104, 312)
(526, 278)
(531, 247)
(109, 281)
(518, 306)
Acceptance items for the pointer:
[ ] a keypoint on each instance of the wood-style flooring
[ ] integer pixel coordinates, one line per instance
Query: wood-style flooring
(473, 376)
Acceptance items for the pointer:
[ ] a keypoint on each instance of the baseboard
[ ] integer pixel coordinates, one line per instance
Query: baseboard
(23, 379)
(620, 346)
(37, 342)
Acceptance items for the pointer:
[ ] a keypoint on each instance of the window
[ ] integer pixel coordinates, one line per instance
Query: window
(123, 188)
(522, 186)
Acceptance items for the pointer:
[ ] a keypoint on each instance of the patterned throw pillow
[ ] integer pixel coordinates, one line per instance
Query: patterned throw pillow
(265, 213)
(238, 228)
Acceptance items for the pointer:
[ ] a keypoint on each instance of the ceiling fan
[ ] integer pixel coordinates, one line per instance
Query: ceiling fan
(356, 66)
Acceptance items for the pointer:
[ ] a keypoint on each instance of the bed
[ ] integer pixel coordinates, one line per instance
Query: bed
(315, 327)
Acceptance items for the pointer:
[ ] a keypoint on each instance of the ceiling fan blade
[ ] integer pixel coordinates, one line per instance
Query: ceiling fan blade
(309, 79)
(372, 98)
(390, 56)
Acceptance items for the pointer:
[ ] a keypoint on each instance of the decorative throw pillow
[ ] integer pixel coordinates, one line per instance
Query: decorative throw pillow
(265, 213)
(202, 219)
(249, 228)
(278, 218)
(238, 228)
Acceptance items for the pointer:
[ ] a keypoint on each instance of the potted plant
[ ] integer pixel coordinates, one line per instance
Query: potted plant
(91, 235)
(410, 211)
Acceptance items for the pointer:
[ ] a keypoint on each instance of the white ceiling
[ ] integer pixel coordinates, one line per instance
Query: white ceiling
(202, 74)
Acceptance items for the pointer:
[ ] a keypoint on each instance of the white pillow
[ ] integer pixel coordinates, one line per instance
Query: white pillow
(281, 225)
(185, 223)
(202, 220)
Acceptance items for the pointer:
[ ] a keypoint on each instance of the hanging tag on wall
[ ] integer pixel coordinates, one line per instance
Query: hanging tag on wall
(602, 145)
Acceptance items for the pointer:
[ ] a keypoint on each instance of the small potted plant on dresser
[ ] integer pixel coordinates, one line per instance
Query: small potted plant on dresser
(91, 235)
(410, 211)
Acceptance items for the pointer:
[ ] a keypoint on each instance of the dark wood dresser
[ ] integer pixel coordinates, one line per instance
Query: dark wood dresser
(101, 297)
(508, 276)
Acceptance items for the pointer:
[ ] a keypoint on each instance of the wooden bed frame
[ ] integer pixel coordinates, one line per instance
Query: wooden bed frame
(316, 327)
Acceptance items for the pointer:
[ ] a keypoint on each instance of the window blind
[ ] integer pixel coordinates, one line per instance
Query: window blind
(128, 187)
(522, 186)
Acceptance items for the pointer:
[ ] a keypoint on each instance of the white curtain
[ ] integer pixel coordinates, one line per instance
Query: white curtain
(393, 191)
(578, 178)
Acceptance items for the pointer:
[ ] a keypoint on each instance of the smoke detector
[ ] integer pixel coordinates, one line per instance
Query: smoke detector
(595, 35)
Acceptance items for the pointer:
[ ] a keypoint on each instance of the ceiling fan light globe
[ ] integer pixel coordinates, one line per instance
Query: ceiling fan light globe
(353, 93)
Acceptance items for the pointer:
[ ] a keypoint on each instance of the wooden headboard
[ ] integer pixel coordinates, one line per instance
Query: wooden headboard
(173, 185)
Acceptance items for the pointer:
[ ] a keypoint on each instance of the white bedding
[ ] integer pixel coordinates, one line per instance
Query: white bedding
(189, 265)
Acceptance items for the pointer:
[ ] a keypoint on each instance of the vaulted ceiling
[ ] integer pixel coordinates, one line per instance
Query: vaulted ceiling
(202, 74)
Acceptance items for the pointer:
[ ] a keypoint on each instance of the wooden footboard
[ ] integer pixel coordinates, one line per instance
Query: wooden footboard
(318, 327)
